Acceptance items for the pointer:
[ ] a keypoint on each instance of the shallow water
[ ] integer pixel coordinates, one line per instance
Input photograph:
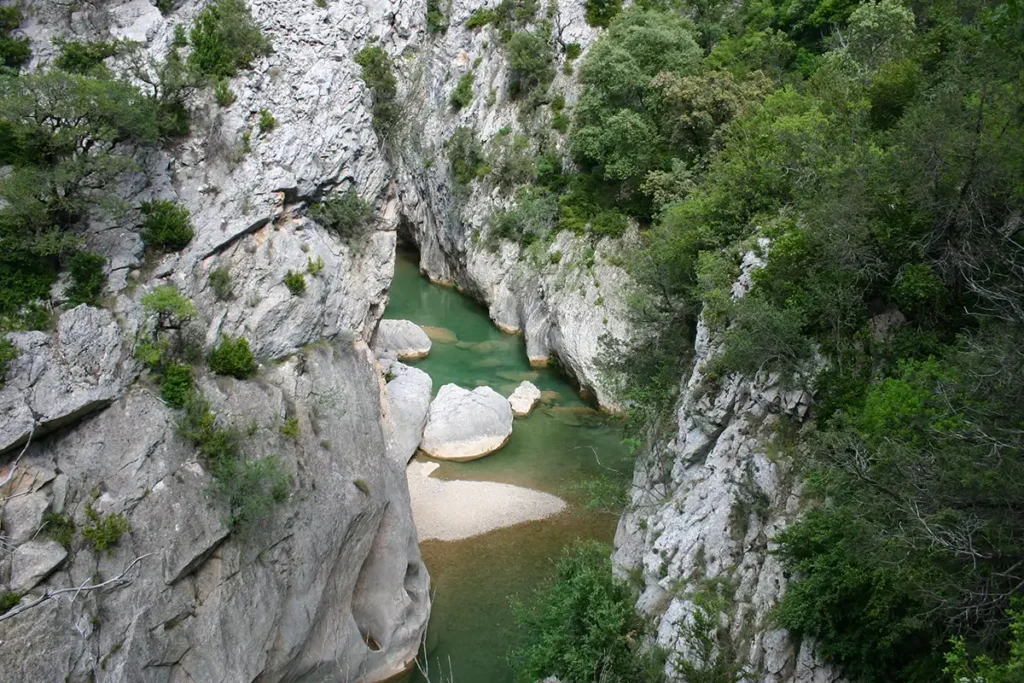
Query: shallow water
(561, 442)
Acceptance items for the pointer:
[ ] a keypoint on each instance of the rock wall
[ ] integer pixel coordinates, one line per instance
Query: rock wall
(332, 587)
(561, 307)
(706, 506)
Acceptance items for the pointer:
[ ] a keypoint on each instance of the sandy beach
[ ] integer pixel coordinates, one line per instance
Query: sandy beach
(453, 510)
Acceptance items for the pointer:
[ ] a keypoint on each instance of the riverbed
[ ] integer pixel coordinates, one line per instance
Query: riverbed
(564, 441)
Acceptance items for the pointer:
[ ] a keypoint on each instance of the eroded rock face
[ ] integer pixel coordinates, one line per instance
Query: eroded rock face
(33, 561)
(402, 339)
(524, 398)
(300, 596)
(408, 394)
(708, 505)
(59, 378)
(466, 425)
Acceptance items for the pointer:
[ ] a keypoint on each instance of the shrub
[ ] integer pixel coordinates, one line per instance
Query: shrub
(314, 267)
(347, 214)
(166, 225)
(13, 51)
(8, 601)
(8, 352)
(59, 527)
(437, 22)
(481, 17)
(466, 156)
(220, 283)
(232, 357)
(290, 428)
(573, 51)
(180, 38)
(176, 384)
(555, 256)
(295, 282)
(104, 531)
(380, 79)
(84, 58)
(87, 278)
(222, 93)
(462, 96)
(531, 63)
(532, 218)
(225, 39)
(578, 626)
(600, 13)
(560, 122)
(170, 307)
(267, 121)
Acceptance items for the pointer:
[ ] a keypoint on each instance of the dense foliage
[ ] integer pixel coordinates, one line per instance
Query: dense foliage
(166, 225)
(872, 151)
(233, 357)
(225, 39)
(378, 74)
(347, 214)
(580, 626)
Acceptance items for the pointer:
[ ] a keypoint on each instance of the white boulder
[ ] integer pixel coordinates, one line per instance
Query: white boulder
(524, 398)
(465, 425)
(402, 339)
(408, 398)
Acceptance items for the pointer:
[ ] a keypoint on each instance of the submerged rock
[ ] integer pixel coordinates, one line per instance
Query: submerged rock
(402, 339)
(442, 335)
(524, 398)
(465, 425)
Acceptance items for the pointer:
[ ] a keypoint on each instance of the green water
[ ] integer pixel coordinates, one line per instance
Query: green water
(563, 441)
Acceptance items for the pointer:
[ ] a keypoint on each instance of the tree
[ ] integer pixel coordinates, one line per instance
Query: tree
(225, 39)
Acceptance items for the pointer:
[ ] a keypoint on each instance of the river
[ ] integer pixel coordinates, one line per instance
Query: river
(563, 441)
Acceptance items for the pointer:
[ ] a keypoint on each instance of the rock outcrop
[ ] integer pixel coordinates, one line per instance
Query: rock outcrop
(408, 392)
(329, 587)
(62, 377)
(466, 425)
(402, 339)
(524, 398)
(706, 507)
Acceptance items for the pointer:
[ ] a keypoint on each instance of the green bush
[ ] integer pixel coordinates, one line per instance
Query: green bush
(466, 156)
(176, 384)
(290, 428)
(220, 283)
(232, 357)
(13, 51)
(531, 63)
(87, 278)
(104, 531)
(166, 225)
(170, 307)
(314, 266)
(267, 121)
(347, 214)
(581, 626)
(437, 22)
(573, 51)
(8, 353)
(462, 96)
(60, 527)
(379, 77)
(532, 218)
(600, 13)
(225, 39)
(84, 58)
(481, 17)
(295, 282)
(222, 93)
(511, 161)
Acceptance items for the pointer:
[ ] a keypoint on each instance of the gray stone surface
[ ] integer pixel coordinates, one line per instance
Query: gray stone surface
(331, 568)
(59, 378)
(33, 561)
(407, 402)
(694, 517)
(524, 398)
(402, 339)
(465, 425)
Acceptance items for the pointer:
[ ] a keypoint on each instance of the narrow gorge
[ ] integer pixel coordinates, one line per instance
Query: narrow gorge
(331, 329)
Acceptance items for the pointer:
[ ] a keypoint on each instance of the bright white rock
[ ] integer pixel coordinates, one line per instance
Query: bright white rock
(524, 398)
(465, 425)
(402, 339)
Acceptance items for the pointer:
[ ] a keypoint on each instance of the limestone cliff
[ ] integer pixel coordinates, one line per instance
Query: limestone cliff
(332, 586)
